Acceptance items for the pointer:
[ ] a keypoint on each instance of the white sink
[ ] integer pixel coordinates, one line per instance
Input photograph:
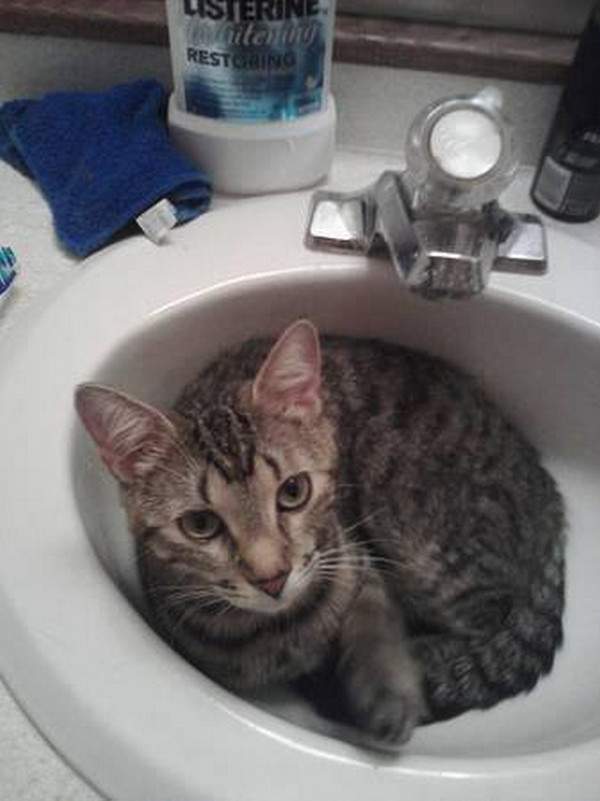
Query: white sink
(115, 700)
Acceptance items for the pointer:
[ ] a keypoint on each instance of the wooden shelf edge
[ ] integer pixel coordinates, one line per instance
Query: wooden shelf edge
(375, 41)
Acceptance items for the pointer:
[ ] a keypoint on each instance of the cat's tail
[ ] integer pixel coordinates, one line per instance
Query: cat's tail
(470, 672)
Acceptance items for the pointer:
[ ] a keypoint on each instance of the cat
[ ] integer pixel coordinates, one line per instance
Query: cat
(346, 508)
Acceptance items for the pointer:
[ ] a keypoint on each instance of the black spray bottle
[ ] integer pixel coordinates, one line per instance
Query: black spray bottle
(567, 182)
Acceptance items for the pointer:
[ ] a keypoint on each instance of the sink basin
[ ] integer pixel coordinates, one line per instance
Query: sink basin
(135, 718)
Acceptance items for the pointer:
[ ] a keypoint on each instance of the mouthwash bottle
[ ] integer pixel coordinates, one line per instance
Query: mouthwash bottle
(251, 103)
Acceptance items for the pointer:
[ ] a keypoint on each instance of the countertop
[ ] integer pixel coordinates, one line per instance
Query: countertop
(29, 768)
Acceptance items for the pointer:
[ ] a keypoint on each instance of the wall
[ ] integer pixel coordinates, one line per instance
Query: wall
(376, 104)
(550, 16)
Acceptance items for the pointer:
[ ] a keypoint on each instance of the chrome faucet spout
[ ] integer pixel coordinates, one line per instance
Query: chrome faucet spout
(439, 220)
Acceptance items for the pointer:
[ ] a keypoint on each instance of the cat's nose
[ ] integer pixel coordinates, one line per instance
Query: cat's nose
(273, 585)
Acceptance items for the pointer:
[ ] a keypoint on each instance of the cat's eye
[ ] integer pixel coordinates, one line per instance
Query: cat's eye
(201, 524)
(294, 493)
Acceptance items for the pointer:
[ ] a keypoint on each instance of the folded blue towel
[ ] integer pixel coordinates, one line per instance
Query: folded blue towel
(101, 159)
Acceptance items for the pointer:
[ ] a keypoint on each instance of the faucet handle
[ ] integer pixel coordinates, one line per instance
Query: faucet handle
(366, 222)
(341, 221)
(524, 249)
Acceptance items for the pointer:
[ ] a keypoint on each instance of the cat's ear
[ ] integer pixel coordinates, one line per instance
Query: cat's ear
(132, 438)
(289, 382)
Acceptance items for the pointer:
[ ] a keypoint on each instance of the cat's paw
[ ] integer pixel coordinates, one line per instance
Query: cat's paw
(389, 718)
(386, 707)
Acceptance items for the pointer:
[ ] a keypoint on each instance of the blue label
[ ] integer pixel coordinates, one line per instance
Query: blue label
(254, 60)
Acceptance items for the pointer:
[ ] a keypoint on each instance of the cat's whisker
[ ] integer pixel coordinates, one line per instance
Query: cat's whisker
(374, 540)
(303, 575)
(341, 569)
(223, 611)
(349, 549)
(173, 588)
(346, 547)
(197, 591)
(380, 563)
(191, 597)
(342, 557)
(388, 540)
(339, 582)
(178, 594)
(341, 560)
(338, 567)
(199, 604)
(346, 572)
(186, 614)
(385, 560)
(219, 607)
(362, 521)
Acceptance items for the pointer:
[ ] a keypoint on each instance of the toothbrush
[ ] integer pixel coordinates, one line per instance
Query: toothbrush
(8, 269)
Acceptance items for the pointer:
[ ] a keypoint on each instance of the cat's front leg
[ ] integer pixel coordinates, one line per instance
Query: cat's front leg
(382, 682)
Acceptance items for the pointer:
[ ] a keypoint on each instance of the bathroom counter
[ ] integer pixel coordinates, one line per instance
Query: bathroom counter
(29, 768)
(26, 227)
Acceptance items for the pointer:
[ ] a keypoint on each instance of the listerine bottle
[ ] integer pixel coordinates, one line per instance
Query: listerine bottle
(252, 104)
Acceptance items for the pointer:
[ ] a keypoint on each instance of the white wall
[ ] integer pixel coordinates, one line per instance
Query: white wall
(375, 104)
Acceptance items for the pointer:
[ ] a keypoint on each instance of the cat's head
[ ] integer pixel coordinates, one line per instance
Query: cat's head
(234, 502)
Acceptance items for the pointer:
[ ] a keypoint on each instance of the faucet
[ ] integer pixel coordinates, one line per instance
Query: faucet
(439, 219)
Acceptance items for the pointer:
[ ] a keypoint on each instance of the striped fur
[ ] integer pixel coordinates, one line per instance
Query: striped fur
(428, 560)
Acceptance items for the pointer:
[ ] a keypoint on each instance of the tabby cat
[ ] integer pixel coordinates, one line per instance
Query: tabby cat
(346, 508)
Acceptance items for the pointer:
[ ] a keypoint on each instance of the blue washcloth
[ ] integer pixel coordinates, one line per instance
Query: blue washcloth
(101, 159)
